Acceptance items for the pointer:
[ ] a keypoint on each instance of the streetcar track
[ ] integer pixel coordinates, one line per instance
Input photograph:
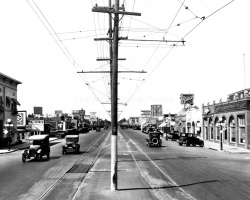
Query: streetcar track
(160, 196)
(78, 161)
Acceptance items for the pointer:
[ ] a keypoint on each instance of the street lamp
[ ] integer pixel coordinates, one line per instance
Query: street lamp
(221, 144)
(8, 125)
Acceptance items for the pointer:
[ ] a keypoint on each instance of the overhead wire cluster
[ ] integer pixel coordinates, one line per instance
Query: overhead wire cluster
(135, 35)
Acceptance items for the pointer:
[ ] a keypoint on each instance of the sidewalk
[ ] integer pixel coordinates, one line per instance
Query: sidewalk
(16, 147)
(226, 148)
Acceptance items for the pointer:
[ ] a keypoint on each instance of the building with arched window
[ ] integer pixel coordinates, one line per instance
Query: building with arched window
(228, 121)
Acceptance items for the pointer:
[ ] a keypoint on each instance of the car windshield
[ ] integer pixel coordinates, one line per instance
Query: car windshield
(72, 139)
(35, 142)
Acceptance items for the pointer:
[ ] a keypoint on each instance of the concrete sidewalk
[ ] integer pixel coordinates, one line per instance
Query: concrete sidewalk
(226, 148)
(16, 147)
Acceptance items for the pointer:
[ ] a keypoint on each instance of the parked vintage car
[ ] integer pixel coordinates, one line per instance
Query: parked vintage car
(71, 144)
(154, 138)
(190, 139)
(172, 136)
(39, 146)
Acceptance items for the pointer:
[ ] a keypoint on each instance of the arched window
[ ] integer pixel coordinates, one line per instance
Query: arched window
(189, 127)
(217, 129)
(232, 132)
(241, 128)
(211, 129)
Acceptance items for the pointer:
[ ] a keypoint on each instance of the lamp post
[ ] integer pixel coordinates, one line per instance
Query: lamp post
(8, 125)
(221, 144)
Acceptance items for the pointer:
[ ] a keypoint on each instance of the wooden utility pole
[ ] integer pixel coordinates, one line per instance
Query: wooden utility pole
(114, 96)
(114, 77)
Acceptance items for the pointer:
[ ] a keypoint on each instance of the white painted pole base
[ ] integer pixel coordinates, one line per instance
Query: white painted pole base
(113, 162)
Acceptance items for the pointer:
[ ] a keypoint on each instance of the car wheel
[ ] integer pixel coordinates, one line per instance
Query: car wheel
(202, 144)
(194, 145)
(24, 158)
(180, 144)
(188, 144)
(166, 138)
(48, 155)
(63, 152)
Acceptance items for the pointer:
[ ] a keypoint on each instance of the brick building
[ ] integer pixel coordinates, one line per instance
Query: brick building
(228, 121)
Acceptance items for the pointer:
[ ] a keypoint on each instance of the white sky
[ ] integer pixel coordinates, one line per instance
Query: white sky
(210, 65)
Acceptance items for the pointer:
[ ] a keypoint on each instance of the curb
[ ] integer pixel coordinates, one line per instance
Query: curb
(6, 152)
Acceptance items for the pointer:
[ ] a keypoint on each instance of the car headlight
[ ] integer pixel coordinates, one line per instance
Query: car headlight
(39, 150)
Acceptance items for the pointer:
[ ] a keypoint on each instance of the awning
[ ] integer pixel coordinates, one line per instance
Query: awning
(163, 124)
(15, 101)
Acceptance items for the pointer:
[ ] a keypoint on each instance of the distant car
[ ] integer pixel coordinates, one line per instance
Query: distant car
(83, 130)
(39, 146)
(71, 144)
(172, 136)
(190, 139)
(154, 138)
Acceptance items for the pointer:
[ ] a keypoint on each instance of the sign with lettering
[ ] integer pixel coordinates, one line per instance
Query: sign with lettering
(21, 118)
(240, 105)
(187, 99)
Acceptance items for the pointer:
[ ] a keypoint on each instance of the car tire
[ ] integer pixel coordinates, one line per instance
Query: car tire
(180, 144)
(63, 152)
(40, 157)
(166, 138)
(194, 145)
(201, 144)
(48, 155)
(23, 158)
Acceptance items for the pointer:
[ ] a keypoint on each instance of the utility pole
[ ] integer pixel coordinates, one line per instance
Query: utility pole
(114, 96)
(114, 78)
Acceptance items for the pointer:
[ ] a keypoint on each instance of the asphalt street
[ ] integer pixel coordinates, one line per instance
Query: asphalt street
(167, 172)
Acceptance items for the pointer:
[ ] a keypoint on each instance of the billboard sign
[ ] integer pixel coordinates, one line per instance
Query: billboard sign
(156, 110)
(21, 118)
(187, 99)
(58, 112)
(38, 110)
(37, 125)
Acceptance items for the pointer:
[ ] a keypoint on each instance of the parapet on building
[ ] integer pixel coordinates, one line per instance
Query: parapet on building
(231, 119)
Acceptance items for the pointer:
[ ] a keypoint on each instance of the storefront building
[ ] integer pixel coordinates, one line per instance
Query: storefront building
(8, 109)
(228, 122)
(189, 119)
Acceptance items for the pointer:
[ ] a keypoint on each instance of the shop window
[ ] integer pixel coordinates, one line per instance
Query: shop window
(211, 132)
(241, 128)
(232, 132)
(8, 102)
(217, 130)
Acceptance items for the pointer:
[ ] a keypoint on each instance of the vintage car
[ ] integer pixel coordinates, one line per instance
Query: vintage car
(172, 136)
(154, 138)
(39, 146)
(190, 139)
(71, 144)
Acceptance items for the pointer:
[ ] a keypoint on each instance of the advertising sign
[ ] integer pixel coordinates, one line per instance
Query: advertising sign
(38, 110)
(58, 112)
(187, 99)
(156, 110)
(37, 125)
(21, 118)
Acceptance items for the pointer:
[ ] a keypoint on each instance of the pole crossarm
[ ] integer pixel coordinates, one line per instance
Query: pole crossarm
(111, 71)
(101, 39)
(108, 10)
(156, 40)
(108, 59)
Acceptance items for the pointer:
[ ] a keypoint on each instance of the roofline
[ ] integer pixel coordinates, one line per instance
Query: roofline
(12, 79)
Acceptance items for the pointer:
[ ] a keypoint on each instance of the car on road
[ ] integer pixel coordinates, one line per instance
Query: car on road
(71, 144)
(38, 147)
(172, 136)
(190, 139)
(154, 138)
